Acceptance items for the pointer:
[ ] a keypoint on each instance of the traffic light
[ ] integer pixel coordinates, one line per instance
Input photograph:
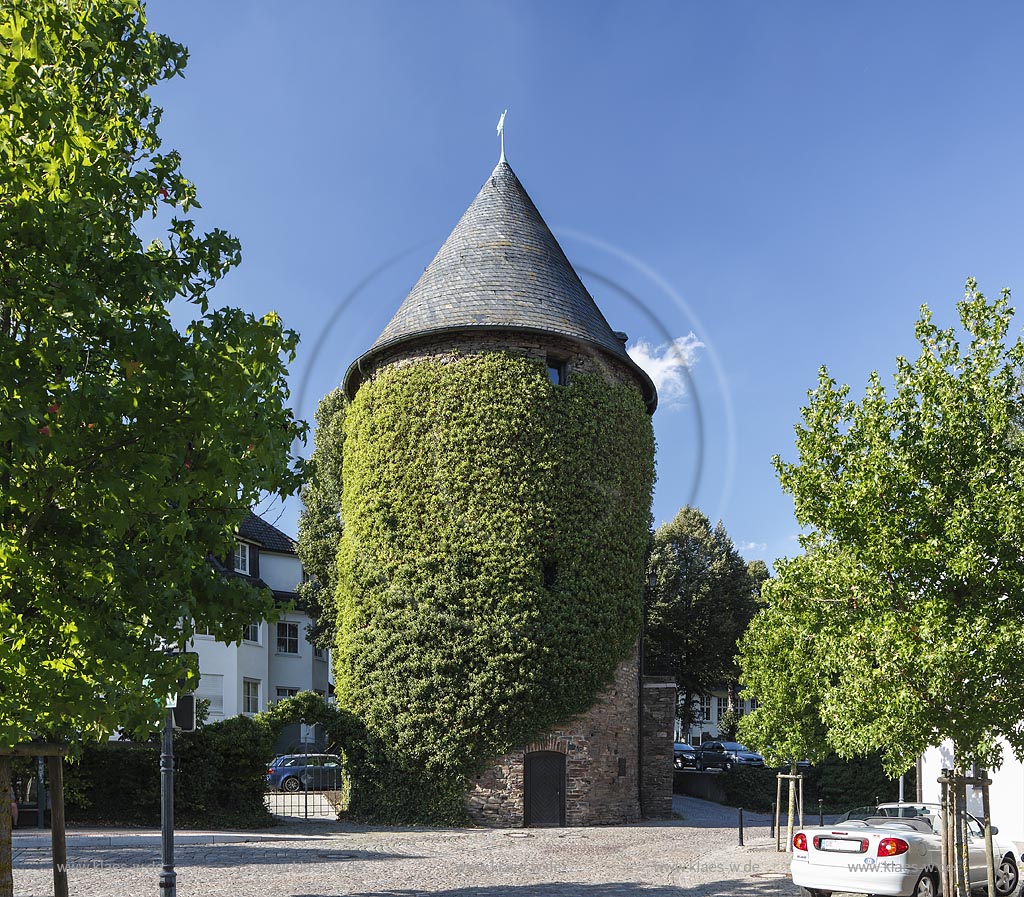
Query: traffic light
(185, 713)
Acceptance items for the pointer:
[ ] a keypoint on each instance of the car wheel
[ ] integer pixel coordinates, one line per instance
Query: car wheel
(1007, 876)
(291, 784)
(926, 886)
(811, 892)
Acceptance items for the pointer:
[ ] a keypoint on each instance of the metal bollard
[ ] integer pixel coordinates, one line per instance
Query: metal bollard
(772, 833)
(821, 811)
(741, 826)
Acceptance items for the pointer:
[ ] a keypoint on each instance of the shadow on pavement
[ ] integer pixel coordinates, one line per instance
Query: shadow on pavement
(253, 853)
(748, 887)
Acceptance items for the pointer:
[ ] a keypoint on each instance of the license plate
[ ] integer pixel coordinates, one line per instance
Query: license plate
(837, 844)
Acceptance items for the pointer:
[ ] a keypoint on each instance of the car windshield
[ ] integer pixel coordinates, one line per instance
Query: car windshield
(733, 746)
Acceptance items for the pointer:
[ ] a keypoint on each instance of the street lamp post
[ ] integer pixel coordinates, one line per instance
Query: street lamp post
(168, 877)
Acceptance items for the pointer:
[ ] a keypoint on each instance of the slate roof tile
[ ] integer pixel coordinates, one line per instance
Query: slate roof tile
(268, 537)
(500, 267)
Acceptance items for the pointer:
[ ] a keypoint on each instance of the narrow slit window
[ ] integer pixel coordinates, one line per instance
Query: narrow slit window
(550, 572)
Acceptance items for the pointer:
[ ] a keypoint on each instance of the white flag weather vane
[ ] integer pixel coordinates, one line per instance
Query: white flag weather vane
(501, 134)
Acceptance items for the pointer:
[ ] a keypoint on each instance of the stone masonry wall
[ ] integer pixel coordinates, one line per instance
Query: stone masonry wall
(449, 347)
(602, 783)
(656, 758)
(601, 745)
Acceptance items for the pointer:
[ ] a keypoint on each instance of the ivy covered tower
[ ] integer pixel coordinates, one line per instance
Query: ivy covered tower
(498, 467)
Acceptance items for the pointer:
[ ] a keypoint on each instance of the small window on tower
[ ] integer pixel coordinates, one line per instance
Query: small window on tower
(550, 571)
(558, 371)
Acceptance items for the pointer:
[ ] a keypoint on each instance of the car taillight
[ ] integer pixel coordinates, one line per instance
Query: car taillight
(891, 847)
(800, 841)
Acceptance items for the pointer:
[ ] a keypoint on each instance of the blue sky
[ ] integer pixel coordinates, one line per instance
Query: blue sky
(786, 181)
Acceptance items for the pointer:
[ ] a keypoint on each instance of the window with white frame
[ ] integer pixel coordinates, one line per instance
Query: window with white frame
(287, 638)
(723, 705)
(286, 692)
(250, 696)
(241, 558)
(705, 708)
(251, 633)
(319, 653)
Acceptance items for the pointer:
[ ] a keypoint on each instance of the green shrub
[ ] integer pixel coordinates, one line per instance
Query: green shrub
(490, 569)
(841, 784)
(219, 779)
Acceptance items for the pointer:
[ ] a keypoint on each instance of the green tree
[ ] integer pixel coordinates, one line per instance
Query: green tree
(783, 663)
(129, 451)
(912, 588)
(320, 525)
(759, 575)
(701, 601)
(728, 724)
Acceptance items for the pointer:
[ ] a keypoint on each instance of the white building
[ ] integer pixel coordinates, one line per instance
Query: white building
(274, 659)
(708, 711)
(1006, 794)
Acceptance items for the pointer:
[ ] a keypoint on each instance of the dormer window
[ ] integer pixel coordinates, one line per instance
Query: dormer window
(242, 558)
(558, 371)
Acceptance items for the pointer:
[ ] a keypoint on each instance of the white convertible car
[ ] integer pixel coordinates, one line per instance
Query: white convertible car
(895, 852)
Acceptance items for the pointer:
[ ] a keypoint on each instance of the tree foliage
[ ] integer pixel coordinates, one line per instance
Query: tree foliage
(785, 661)
(491, 566)
(129, 451)
(320, 524)
(702, 599)
(901, 623)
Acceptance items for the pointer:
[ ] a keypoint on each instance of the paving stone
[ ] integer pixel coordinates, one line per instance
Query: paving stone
(695, 856)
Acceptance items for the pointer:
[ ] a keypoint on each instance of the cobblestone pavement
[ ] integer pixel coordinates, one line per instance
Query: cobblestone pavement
(693, 856)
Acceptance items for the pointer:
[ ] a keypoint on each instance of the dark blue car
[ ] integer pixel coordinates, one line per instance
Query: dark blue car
(312, 772)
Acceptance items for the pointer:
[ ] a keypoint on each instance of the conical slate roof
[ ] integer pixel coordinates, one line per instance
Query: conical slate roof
(501, 268)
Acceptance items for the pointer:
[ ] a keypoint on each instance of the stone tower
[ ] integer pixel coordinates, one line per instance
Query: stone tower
(498, 472)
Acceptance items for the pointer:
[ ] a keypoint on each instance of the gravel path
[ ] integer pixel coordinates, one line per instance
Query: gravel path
(695, 855)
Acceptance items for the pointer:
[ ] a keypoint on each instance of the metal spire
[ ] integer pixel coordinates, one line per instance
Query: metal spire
(501, 134)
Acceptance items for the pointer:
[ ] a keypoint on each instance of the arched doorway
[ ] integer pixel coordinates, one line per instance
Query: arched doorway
(544, 789)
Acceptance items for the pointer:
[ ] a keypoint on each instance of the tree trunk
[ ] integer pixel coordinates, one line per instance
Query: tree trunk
(989, 856)
(684, 710)
(954, 830)
(792, 807)
(6, 848)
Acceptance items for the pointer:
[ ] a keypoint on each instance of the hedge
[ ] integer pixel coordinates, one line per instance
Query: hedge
(219, 779)
(841, 784)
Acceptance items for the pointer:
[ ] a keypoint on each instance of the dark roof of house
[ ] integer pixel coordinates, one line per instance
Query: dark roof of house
(270, 538)
(501, 268)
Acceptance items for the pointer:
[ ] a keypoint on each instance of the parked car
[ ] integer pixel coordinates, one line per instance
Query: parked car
(313, 772)
(895, 853)
(726, 755)
(684, 756)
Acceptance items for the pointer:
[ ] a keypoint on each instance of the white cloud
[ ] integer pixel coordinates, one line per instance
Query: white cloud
(752, 546)
(667, 364)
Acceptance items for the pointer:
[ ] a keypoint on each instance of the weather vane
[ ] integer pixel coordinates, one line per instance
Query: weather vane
(501, 134)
